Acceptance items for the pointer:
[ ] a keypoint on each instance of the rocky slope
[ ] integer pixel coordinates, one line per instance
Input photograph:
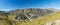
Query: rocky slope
(30, 13)
(33, 15)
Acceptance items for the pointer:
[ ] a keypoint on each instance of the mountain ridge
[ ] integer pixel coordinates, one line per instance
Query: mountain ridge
(28, 16)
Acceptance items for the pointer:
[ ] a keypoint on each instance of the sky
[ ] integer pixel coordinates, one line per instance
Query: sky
(22, 4)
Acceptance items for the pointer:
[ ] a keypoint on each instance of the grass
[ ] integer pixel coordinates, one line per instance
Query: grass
(37, 21)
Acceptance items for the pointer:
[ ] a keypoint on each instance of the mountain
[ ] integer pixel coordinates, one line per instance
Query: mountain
(31, 16)
(3, 14)
(31, 13)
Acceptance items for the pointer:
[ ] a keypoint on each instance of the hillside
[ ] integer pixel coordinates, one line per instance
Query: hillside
(28, 17)
(41, 21)
(29, 14)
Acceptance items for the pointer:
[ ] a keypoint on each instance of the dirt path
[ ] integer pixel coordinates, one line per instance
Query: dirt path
(54, 22)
